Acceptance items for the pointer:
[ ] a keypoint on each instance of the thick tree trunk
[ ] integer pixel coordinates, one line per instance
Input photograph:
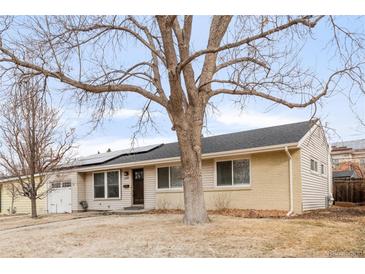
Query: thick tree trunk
(33, 202)
(195, 211)
(189, 136)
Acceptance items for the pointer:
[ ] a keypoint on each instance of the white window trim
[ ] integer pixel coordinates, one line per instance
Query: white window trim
(169, 188)
(233, 186)
(310, 166)
(106, 185)
(320, 168)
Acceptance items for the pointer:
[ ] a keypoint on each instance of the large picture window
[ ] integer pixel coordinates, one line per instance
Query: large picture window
(236, 172)
(106, 185)
(169, 177)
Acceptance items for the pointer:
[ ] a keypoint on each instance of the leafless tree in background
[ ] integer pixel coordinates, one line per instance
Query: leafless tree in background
(102, 58)
(14, 194)
(32, 144)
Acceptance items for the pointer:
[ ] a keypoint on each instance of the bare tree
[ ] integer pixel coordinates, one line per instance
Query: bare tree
(104, 57)
(32, 144)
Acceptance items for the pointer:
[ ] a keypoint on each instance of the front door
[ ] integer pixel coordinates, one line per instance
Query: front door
(138, 190)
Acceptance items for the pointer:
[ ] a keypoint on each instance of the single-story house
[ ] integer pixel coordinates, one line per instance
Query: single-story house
(21, 204)
(283, 167)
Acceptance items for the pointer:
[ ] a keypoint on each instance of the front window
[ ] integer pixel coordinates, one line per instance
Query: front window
(99, 187)
(106, 185)
(224, 173)
(175, 176)
(113, 184)
(169, 177)
(236, 172)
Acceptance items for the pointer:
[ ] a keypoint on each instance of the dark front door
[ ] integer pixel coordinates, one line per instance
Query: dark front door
(138, 192)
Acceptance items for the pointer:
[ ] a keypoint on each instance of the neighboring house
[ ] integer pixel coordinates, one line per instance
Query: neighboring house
(349, 156)
(283, 167)
(345, 175)
(21, 203)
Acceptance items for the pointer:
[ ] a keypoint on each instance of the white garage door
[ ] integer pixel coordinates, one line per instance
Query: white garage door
(59, 198)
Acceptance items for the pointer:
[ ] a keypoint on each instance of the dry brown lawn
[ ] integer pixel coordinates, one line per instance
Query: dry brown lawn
(331, 233)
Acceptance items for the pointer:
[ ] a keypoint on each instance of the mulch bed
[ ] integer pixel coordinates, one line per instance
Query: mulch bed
(166, 211)
(250, 213)
(334, 213)
(243, 213)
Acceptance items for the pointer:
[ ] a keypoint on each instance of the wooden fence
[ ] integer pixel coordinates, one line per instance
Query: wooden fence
(350, 191)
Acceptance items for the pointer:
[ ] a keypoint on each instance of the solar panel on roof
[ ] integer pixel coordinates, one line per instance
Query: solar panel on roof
(103, 157)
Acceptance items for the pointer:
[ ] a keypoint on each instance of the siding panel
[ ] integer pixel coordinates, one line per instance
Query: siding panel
(22, 204)
(315, 187)
(149, 187)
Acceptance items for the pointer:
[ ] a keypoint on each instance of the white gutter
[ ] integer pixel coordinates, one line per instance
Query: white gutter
(329, 176)
(291, 196)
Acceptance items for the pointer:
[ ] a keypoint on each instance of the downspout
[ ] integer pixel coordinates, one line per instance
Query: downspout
(329, 177)
(291, 196)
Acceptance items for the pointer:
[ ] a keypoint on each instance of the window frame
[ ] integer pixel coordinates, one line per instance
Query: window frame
(169, 188)
(235, 186)
(322, 165)
(58, 183)
(106, 185)
(66, 184)
(316, 165)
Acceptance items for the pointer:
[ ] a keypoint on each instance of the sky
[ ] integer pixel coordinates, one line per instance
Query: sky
(117, 129)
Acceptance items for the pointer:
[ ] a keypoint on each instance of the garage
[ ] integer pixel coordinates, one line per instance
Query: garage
(59, 198)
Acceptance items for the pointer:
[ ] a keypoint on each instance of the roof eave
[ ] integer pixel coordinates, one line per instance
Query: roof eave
(205, 156)
(316, 124)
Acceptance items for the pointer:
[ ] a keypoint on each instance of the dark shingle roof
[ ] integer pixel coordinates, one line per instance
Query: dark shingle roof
(344, 174)
(277, 135)
(354, 144)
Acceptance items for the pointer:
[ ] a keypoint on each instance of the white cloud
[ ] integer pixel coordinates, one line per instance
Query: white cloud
(74, 118)
(126, 113)
(102, 144)
(252, 119)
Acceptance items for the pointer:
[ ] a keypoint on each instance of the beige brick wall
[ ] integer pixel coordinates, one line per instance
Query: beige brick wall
(269, 185)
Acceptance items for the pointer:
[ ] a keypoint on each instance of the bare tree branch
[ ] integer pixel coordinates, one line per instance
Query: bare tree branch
(32, 143)
(103, 58)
